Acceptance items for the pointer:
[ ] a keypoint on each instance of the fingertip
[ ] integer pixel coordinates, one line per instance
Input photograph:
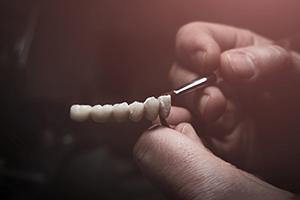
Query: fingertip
(284, 55)
(188, 130)
(147, 142)
(254, 63)
(156, 145)
(196, 49)
(204, 61)
(178, 115)
(237, 65)
(212, 104)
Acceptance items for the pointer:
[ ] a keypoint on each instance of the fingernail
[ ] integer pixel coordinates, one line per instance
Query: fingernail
(187, 129)
(242, 65)
(153, 127)
(203, 102)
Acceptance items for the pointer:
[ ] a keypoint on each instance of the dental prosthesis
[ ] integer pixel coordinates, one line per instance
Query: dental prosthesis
(136, 111)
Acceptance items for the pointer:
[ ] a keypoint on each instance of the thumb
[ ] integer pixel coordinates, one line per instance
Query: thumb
(177, 161)
(255, 63)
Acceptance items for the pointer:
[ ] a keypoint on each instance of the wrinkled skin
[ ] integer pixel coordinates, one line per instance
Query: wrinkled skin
(249, 117)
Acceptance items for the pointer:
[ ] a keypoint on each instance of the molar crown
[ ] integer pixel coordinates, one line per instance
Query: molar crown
(136, 111)
(121, 112)
(101, 114)
(165, 105)
(80, 113)
(151, 108)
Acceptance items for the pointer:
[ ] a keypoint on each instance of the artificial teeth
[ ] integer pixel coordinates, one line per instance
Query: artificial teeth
(80, 113)
(101, 114)
(136, 111)
(151, 106)
(121, 112)
(165, 105)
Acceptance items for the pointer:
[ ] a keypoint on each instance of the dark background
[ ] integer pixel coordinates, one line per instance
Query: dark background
(54, 53)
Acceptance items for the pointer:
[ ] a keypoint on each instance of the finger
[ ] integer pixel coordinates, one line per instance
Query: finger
(199, 45)
(180, 76)
(211, 104)
(226, 123)
(167, 156)
(185, 169)
(187, 129)
(229, 116)
(254, 63)
(177, 115)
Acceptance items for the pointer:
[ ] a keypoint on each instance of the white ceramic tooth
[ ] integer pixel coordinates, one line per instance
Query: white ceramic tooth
(151, 108)
(121, 112)
(80, 113)
(165, 105)
(136, 111)
(101, 114)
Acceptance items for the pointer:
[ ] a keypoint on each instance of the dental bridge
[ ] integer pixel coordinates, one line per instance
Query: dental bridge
(150, 109)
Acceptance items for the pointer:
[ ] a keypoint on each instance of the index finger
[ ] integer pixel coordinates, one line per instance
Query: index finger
(199, 45)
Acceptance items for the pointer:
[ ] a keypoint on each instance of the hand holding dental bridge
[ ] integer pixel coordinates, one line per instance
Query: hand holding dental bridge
(248, 121)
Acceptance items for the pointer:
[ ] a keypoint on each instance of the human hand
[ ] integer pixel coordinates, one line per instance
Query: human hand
(178, 163)
(250, 118)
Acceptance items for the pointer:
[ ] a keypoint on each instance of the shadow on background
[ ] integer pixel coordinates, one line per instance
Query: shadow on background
(54, 53)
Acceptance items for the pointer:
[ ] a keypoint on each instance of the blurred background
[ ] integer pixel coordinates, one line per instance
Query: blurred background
(54, 53)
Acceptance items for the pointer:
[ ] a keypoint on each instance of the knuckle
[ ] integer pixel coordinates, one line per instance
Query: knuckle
(192, 26)
(187, 36)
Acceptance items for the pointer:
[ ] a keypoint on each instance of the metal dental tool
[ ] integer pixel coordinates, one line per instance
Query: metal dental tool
(199, 83)
(202, 82)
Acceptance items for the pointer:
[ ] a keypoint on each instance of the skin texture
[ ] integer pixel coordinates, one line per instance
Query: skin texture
(249, 119)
